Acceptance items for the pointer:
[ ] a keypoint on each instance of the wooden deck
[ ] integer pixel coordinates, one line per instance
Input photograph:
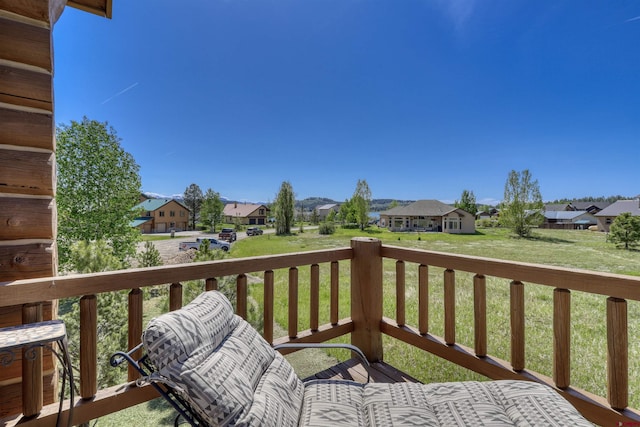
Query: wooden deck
(353, 370)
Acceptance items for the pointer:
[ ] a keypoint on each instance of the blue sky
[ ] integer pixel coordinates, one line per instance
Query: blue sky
(421, 98)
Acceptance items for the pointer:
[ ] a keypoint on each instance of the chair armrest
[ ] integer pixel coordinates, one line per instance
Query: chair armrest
(359, 354)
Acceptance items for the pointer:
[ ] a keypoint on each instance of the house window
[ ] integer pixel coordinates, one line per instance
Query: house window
(161, 213)
(148, 213)
(181, 213)
(608, 220)
(172, 213)
(260, 211)
(453, 223)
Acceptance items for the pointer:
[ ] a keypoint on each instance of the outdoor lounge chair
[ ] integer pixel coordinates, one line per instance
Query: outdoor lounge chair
(217, 370)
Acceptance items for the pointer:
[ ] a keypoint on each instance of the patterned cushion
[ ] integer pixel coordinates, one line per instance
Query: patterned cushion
(495, 403)
(232, 376)
(222, 366)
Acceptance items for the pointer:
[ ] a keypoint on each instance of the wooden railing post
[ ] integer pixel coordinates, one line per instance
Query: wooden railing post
(135, 327)
(314, 305)
(400, 293)
(423, 299)
(562, 337)
(88, 346)
(293, 302)
(517, 325)
(480, 314)
(175, 296)
(241, 295)
(617, 353)
(335, 289)
(449, 307)
(366, 296)
(32, 384)
(268, 306)
(211, 284)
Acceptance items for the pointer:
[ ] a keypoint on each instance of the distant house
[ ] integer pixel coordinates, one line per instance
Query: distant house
(324, 210)
(591, 207)
(428, 215)
(245, 213)
(568, 220)
(493, 212)
(161, 216)
(607, 215)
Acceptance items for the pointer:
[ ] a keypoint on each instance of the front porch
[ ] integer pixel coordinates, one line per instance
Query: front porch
(376, 317)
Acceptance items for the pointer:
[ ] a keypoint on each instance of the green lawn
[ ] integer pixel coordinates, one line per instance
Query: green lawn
(579, 249)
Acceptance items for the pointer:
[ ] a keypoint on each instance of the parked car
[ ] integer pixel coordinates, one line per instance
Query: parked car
(227, 234)
(213, 244)
(254, 231)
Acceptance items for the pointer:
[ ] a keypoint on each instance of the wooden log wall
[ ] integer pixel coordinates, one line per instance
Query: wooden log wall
(27, 174)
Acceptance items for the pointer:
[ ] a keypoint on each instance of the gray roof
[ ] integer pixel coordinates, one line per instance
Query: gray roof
(422, 208)
(564, 214)
(326, 207)
(621, 206)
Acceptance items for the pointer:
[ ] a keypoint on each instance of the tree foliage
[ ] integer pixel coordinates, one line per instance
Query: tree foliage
(361, 203)
(522, 206)
(98, 184)
(284, 209)
(467, 202)
(149, 256)
(93, 257)
(625, 230)
(193, 200)
(211, 211)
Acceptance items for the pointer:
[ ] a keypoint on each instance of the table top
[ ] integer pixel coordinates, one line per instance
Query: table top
(31, 334)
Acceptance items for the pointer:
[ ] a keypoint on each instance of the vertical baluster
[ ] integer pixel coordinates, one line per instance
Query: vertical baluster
(135, 327)
(315, 297)
(32, 383)
(617, 353)
(241, 296)
(423, 299)
(449, 307)
(268, 306)
(400, 293)
(562, 338)
(88, 346)
(480, 314)
(293, 302)
(211, 284)
(517, 325)
(335, 289)
(175, 296)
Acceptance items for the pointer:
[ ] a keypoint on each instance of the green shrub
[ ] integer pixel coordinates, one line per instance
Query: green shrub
(326, 228)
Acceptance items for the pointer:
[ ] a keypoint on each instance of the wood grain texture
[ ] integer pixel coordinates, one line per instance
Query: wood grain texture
(26, 88)
(26, 129)
(25, 44)
(27, 172)
(26, 218)
(24, 262)
(562, 337)
(617, 353)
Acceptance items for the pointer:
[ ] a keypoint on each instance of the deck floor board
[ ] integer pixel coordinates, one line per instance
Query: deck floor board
(353, 370)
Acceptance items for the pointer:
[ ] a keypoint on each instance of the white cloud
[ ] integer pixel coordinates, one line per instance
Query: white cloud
(459, 11)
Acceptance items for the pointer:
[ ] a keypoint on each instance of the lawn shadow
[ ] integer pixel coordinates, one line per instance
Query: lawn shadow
(546, 239)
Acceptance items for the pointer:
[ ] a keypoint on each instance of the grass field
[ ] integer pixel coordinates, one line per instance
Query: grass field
(566, 248)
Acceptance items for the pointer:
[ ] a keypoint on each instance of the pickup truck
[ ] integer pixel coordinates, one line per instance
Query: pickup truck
(227, 234)
(254, 231)
(213, 244)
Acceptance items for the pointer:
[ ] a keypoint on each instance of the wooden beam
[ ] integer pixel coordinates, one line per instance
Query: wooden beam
(26, 130)
(26, 218)
(27, 173)
(25, 44)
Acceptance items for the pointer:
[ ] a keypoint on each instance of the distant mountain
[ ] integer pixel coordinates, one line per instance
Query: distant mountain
(308, 204)
(377, 205)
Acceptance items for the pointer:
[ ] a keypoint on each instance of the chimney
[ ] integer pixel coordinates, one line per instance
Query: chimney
(235, 205)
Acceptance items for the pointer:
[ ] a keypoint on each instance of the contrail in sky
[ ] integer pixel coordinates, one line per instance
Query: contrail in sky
(120, 93)
(633, 19)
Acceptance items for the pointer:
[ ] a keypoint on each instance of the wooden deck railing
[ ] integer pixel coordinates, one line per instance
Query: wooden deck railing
(366, 324)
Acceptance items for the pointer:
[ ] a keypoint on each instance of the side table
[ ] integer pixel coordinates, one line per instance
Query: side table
(29, 337)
